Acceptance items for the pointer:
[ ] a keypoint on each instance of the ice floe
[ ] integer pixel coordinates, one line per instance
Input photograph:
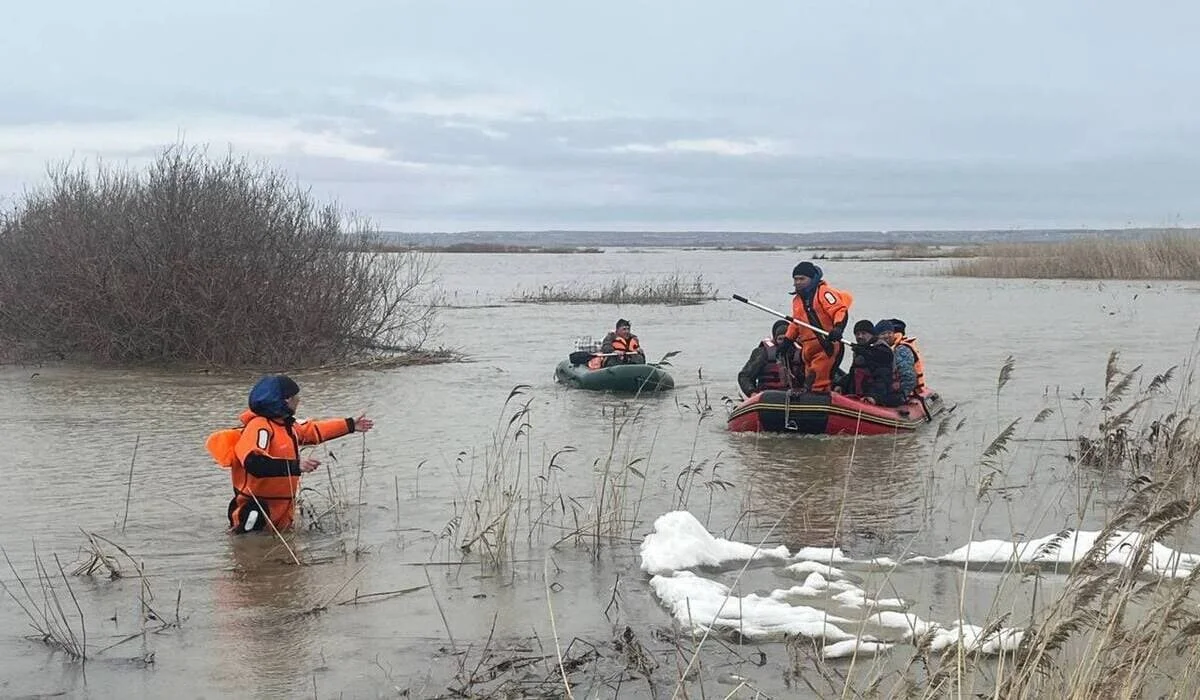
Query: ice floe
(1072, 546)
(831, 606)
(680, 542)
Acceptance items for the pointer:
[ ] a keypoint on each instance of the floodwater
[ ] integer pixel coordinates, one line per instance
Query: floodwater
(396, 506)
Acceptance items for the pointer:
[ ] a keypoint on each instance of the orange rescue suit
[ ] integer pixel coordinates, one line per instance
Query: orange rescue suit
(828, 307)
(266, 472)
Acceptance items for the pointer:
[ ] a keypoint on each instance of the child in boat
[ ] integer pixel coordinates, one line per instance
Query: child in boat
(904, 377)
(899, 337)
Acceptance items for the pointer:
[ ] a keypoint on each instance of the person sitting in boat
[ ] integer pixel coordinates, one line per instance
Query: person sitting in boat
(775, 363)
(818, 304)
(901, 337)
(904, 370)
(620, 347)
(871, 368)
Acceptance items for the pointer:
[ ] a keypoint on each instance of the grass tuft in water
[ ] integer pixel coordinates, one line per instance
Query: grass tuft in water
(674, 289)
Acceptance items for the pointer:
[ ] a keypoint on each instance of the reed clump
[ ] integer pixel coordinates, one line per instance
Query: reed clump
(674, 289)
(512, 497)
(53, 613)
(1126, 619)
(1165, 257)
(200, 261)
(926, 252)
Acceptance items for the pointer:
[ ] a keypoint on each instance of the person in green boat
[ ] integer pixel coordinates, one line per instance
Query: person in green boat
(620, 347)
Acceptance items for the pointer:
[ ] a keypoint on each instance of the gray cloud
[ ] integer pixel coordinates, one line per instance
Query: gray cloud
(673, 114)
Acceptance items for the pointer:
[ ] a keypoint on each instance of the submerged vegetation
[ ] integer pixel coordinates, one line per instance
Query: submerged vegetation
(1166, 257)
(193, 260)
(671, 289)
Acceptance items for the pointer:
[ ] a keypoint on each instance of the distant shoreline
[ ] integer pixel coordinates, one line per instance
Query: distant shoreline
(572, 241)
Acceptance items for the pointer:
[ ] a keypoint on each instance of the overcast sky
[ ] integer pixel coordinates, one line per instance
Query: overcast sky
(765, 115)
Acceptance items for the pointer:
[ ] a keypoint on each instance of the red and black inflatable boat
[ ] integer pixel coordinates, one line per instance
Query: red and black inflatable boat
(778, 411)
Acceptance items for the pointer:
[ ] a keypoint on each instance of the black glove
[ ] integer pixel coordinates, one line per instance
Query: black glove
(835, 334)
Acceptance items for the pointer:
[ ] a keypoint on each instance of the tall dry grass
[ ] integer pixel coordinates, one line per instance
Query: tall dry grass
(1110, 630)
(1166, 257)
(511, 496)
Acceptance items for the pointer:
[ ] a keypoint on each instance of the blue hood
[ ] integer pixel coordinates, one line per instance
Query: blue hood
(269, 396)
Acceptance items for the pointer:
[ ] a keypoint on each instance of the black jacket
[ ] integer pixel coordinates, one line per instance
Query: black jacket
(754, 371)
(874, 363)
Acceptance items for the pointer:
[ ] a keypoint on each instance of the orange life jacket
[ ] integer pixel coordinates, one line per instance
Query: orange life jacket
(619, 344)
(626, 345)
(275, 443)
(918, 365)
(221, 445)
(829, 307)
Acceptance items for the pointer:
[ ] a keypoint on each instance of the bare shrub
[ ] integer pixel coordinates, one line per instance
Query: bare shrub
(196, 260)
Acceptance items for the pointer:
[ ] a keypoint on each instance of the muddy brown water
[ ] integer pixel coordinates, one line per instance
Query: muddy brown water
(254, 625)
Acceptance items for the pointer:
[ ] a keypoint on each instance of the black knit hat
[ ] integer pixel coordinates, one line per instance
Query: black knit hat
(899, 325)
(779, 327)
(805, 268)
(864, 326)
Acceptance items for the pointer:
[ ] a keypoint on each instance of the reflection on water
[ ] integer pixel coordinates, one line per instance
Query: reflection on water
(860, 494)
(265, 635)
(69, 443)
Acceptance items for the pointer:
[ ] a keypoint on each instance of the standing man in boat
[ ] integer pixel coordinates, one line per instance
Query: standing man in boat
(774, 363)
(623, 346)
(818, 304)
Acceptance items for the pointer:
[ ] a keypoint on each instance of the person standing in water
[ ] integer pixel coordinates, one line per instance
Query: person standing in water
(818, 304)
(267, 466)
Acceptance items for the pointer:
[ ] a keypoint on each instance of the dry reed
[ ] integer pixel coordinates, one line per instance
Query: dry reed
(673, 289)
(1165, 257)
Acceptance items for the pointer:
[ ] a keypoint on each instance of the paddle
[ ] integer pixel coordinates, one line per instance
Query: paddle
(773, 312)
(582, 356)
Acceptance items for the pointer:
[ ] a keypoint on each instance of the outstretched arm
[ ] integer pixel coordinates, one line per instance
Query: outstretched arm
(312, 432)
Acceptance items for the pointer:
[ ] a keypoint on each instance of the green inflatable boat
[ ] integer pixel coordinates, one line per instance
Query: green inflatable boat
(620, 378)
